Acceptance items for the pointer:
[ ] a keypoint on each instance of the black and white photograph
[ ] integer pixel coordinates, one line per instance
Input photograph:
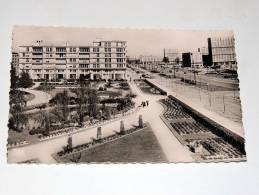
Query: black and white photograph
(114, 95)
(119, 97)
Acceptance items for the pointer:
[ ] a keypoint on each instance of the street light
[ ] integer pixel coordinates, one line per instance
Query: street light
(193, 65)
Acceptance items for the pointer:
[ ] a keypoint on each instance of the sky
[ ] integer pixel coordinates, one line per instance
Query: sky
(139, 41)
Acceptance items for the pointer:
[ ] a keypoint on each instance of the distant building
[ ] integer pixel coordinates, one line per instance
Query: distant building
(196, 59)
(186, 59)
(101, 60)
(222, 52)
(172, 55)
(133, 60)
(15, 61)
(150, 62)
(149, 59)
(192, 59)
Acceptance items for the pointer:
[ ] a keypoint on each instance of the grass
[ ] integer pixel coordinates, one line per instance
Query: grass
(139, 147)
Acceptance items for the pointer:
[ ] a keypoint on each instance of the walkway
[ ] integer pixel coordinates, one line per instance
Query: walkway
(40, 97)
(173, 149)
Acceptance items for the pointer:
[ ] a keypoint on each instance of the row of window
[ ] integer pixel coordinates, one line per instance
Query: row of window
(63, 70)
(107, 45)
(62, 55)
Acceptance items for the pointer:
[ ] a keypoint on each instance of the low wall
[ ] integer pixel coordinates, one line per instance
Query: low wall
(162, 92)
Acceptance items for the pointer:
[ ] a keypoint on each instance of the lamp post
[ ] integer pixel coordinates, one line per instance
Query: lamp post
(193, 65)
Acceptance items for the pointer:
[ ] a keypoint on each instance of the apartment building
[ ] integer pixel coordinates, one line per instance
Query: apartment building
(101, 60)
(222, 51)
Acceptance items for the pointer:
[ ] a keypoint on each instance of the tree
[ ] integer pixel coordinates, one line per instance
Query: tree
(165, 59)
(92, 102)
(18, 121)
(14, 77)
(82, 101)
(17, 104)
(62, 104)
(44, 121)
(17, 100)
(25, 80)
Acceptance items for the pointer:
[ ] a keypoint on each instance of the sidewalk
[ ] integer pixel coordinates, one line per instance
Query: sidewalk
(174, 150)
(40, 97)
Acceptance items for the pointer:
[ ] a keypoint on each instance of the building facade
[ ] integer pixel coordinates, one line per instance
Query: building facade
(196, 59)
(173, 55)
(15, 61)
(101, 60)
(222, 51)
(150, 62)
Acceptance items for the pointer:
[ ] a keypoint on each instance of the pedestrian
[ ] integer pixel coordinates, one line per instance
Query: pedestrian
(147, 102)
(144, 104)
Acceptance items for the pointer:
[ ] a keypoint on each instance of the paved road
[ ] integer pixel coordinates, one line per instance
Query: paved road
(172, 148)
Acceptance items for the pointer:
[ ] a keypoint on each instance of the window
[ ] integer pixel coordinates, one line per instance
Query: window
(107, 49)
(95, 49)
(72, 49)
(61, 55)
(49, 49)
(119, 49)
(72, 59)
(107, 44)
(83, 65)
(84, 49)
(37, 49)
(119, 60)
(60, 49)
(107, 65)
(107, 59)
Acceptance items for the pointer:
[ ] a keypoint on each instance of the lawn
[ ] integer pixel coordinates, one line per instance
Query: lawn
(139, 147)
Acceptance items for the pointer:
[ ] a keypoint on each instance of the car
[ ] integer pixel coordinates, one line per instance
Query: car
(147, 76)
